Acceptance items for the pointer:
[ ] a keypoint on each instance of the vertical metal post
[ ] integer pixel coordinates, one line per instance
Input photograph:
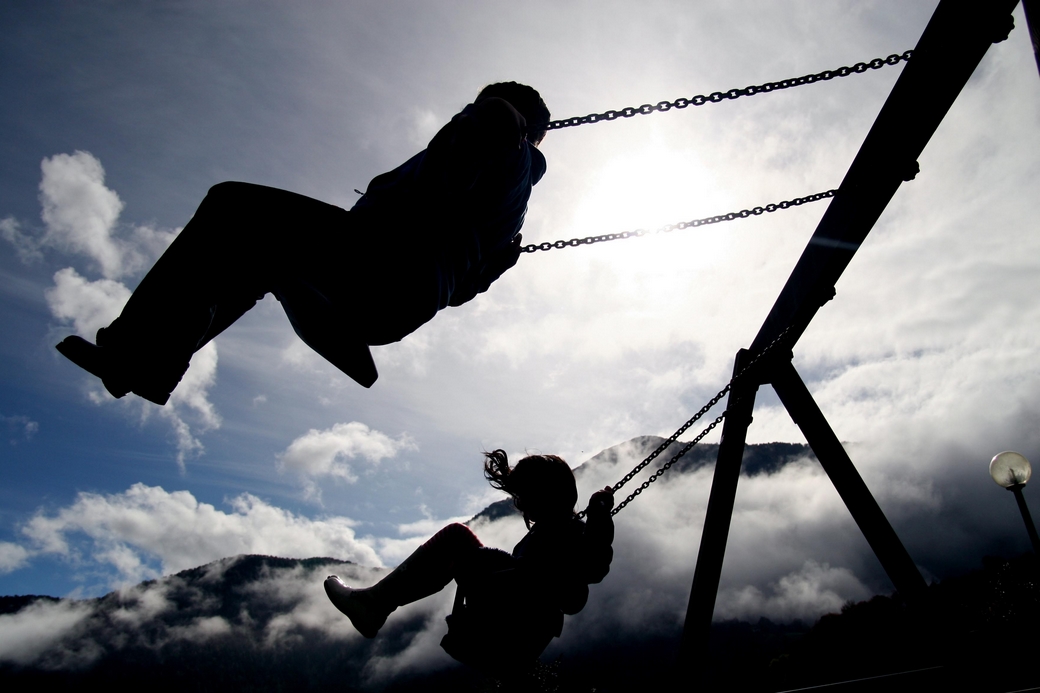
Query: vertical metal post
(1032, 12)
(693, 649)
(1026, 517)
(849, 484)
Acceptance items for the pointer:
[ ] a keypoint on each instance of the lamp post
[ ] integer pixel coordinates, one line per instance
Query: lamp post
(1011, 470)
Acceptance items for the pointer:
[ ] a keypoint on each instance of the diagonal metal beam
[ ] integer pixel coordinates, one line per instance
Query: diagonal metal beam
(1031, 9)
(951, 47)
(849, 484)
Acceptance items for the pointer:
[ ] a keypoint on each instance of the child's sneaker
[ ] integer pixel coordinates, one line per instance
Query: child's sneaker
(357, 605)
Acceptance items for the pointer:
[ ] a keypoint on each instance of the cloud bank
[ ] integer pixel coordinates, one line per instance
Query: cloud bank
(794, 554)
(270, 608)
(147, 531)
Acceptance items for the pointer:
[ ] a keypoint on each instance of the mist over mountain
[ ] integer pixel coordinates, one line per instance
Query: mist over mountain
(264, 622)
(758, 459)
(250, 620)
(245, 622)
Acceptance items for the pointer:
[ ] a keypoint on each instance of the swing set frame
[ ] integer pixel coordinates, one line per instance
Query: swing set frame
(953, 44)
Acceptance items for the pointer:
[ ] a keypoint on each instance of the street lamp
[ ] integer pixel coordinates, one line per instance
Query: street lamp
(1011, 470)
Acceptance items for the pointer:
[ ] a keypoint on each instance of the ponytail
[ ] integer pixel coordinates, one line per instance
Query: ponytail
(496, 469)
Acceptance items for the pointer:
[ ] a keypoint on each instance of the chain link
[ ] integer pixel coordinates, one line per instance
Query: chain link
(682, 429)
(730, 216)
(717, 96)
(700, 100)
(664, 467)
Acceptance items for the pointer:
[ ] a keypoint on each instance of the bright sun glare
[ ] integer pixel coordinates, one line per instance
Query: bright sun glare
(647, 189)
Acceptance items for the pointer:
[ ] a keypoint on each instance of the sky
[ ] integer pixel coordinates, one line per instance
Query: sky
(118, 117)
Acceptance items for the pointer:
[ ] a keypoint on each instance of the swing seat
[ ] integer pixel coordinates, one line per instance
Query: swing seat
(325, 329)
(496, 639)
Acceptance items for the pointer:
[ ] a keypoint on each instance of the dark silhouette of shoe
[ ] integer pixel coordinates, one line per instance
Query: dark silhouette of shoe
(122, 372)
(157, 370)
(358, 605)
(158, 382)
(96, 361)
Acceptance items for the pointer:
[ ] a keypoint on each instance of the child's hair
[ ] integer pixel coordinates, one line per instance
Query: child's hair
(527, 101)
(543, 484)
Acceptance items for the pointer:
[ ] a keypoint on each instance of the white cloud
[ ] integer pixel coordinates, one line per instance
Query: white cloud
(189, 412)
(192, 394)
(25, 635)
(202, 629)
(806, 593)
(25, 245)
(144, 245)
(80, 215)
(79, 211)
(12, 557)
(141, 603)
(127, 532)
(23, 426)
(327, 453)
(88, 305)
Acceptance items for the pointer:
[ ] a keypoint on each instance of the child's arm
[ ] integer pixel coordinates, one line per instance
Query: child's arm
(599, 535)
(590, 562)
(497, 264)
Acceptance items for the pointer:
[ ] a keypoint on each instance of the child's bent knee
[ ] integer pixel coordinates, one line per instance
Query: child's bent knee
(458, 533)
(228, 190)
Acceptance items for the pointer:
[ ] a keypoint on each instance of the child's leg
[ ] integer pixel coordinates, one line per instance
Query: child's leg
(242, 240)
(427, 571)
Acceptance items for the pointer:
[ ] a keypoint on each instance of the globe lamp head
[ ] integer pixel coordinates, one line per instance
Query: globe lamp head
(1010, 469)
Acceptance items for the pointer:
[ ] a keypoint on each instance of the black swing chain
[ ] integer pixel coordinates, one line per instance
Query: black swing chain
(729, 216)
(682, 429)
(700, 100)
(717, 96)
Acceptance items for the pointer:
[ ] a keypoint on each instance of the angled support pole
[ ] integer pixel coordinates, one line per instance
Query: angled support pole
(1031, 8)
(693, 650)
(835, 461)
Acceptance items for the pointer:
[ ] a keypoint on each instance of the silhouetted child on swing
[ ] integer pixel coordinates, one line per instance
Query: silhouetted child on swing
(508, 606)
(432, 233)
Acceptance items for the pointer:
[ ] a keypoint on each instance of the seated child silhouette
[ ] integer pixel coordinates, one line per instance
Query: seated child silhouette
(432, 233)
(508, 606)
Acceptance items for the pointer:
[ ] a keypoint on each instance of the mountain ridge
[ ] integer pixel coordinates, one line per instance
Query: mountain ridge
(759, 458)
